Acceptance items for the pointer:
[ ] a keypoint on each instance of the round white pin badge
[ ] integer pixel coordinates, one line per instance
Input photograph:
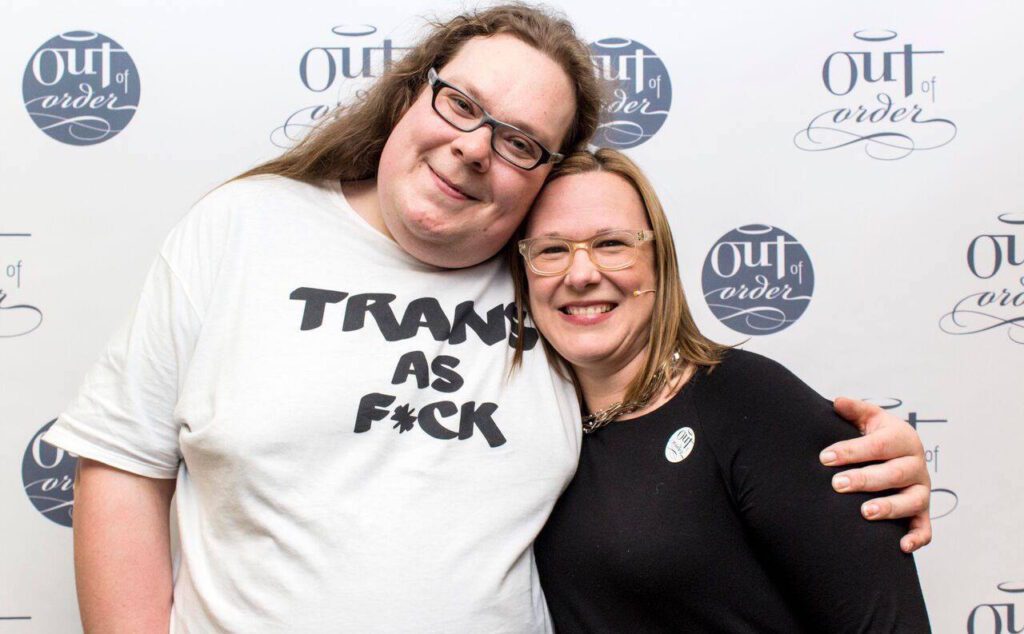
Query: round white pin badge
(680, 444)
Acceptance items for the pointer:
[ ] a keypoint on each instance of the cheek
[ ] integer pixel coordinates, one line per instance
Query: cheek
(645, 273)
(541, 291)
(514, 189)
(629, 280)
(416, 130)
(392, 156)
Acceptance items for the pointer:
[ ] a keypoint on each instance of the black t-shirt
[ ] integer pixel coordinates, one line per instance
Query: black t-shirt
(713, 514)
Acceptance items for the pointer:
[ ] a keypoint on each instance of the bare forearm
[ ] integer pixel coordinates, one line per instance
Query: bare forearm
(122, 550)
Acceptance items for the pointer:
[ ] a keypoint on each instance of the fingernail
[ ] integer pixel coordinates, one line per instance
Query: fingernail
(840, 483)
(869, 510)
(907, 545)
(828, 457)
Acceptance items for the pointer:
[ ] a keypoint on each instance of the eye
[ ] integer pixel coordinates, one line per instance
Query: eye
(611, 243)
(519, 144)
(461, 105)
(550, 249)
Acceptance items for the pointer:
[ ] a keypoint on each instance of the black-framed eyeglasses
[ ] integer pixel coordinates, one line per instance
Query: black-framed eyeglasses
(509, 142)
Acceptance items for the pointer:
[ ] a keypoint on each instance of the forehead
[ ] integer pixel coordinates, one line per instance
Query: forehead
(581, 205)
(516, 83)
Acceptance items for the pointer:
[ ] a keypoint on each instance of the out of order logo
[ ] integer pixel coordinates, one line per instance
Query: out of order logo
(758, 279)
(680, 444)
(641, 92)
(81, 88)
(48, 474)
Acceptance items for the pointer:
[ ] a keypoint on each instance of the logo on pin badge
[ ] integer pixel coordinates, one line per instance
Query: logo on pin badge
(680, 444)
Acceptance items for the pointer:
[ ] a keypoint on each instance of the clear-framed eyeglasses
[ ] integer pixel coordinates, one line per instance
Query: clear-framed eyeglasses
(509, 142)
(609, 250)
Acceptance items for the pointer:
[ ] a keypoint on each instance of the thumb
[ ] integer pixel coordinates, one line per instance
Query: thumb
(854, 411)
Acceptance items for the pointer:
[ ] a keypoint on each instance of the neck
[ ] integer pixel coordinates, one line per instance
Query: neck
(602, 388)
(363, 197)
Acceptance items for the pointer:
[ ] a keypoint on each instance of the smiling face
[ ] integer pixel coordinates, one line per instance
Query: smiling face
(591, 316)
(444, 196)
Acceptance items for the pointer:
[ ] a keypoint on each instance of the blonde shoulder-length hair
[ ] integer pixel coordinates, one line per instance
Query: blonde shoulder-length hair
(675, 342)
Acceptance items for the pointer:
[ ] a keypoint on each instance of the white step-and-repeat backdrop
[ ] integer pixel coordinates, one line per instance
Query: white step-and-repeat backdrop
(845, 181)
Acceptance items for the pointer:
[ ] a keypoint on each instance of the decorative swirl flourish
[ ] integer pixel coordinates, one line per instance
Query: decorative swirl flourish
(1008, 586)
(18, 320)
(878, 35)
(48, 505)
(942, 494)
(81, 128)
(297, 125)
(621, 133)
(885, 402)
(964, 321)
(889, 145)
(79, 36)
(354, 30)
(763, 318)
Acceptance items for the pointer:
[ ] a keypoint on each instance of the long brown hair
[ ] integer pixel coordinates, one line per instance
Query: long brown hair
(348, 146)
(673, 330)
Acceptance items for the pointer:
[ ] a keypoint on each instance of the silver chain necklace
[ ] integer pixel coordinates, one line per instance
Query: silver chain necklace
(597, 420)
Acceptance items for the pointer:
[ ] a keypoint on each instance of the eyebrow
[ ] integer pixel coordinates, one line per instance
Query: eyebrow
(552, 234)
(471, 90)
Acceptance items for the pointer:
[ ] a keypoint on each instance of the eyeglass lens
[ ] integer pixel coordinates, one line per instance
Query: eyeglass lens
(612, 250)
(463, 113)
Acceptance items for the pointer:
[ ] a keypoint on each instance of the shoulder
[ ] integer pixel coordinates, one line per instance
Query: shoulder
(750, 373)
(255, 203)
(750, 387)
(258, 192)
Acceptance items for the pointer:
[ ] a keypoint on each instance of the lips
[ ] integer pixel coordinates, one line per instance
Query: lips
(588, 313)
(593, 309)
(449, 188)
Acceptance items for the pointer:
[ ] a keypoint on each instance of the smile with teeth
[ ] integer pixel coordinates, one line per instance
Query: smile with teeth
(595, 309)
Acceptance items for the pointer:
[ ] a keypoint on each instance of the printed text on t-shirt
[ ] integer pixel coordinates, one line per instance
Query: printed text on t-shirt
(496, 325)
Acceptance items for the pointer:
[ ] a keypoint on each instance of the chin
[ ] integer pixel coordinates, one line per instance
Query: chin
(588, 360)
(425, 223)
(579, 355)
(445, 251)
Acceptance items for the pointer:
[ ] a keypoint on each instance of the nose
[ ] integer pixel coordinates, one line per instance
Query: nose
(582, 272)
(474, 148)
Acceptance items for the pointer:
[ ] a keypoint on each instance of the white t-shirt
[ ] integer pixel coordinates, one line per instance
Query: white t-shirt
(350, 453)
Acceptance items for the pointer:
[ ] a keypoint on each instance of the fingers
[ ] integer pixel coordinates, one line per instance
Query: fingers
(897, 473)
(883, 443)
(920, 534)
(907, 503)
(855, 412)
(892, 440)
(912, 502)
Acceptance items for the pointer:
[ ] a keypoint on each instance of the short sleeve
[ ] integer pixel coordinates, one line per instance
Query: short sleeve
(123, 415)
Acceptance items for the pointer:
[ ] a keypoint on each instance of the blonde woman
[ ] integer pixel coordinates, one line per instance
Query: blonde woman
(699, 504)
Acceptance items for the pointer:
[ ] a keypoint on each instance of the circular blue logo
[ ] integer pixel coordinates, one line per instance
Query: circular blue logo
(81, 88)
(641, 92)
(758, 279)
(48, 474)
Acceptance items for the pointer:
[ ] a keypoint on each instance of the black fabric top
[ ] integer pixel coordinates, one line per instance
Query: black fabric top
(743, 534)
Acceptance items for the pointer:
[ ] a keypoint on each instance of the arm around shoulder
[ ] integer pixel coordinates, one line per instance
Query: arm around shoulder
(840, 572)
